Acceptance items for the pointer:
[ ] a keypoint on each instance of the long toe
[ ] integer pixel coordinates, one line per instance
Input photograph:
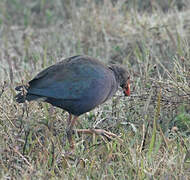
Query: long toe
(101, 132)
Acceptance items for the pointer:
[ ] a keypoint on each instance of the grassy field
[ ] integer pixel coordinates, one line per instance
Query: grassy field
(150, 38)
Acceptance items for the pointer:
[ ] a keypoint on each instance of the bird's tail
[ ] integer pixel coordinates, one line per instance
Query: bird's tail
(21, 96)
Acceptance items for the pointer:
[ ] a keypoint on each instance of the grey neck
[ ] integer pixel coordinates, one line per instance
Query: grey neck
(116, 71)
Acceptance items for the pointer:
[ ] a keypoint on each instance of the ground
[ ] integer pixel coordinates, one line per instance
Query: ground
(150, 38)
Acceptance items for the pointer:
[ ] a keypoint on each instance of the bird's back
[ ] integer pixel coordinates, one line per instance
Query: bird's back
(77, 84)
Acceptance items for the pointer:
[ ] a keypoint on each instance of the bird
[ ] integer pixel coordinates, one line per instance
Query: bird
(76, 84)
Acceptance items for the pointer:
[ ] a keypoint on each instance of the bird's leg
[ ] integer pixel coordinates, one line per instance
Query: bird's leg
(102, 132)
(69, 120)
(70, 124)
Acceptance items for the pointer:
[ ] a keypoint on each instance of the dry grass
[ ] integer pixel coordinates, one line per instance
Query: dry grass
(151, 39)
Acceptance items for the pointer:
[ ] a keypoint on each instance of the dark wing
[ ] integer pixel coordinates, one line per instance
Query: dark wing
(67, 80)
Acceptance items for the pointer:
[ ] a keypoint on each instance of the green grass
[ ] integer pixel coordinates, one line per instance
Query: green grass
(150, 38)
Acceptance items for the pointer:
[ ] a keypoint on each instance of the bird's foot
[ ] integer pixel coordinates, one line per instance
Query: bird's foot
(102, 132)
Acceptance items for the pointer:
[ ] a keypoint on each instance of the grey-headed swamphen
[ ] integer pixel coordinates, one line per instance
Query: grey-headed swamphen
(77, 84)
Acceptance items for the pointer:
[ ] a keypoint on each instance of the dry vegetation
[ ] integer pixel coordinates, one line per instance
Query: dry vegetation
(151, 38)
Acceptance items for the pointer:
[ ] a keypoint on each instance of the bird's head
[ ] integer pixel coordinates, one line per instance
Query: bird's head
(122, 77)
